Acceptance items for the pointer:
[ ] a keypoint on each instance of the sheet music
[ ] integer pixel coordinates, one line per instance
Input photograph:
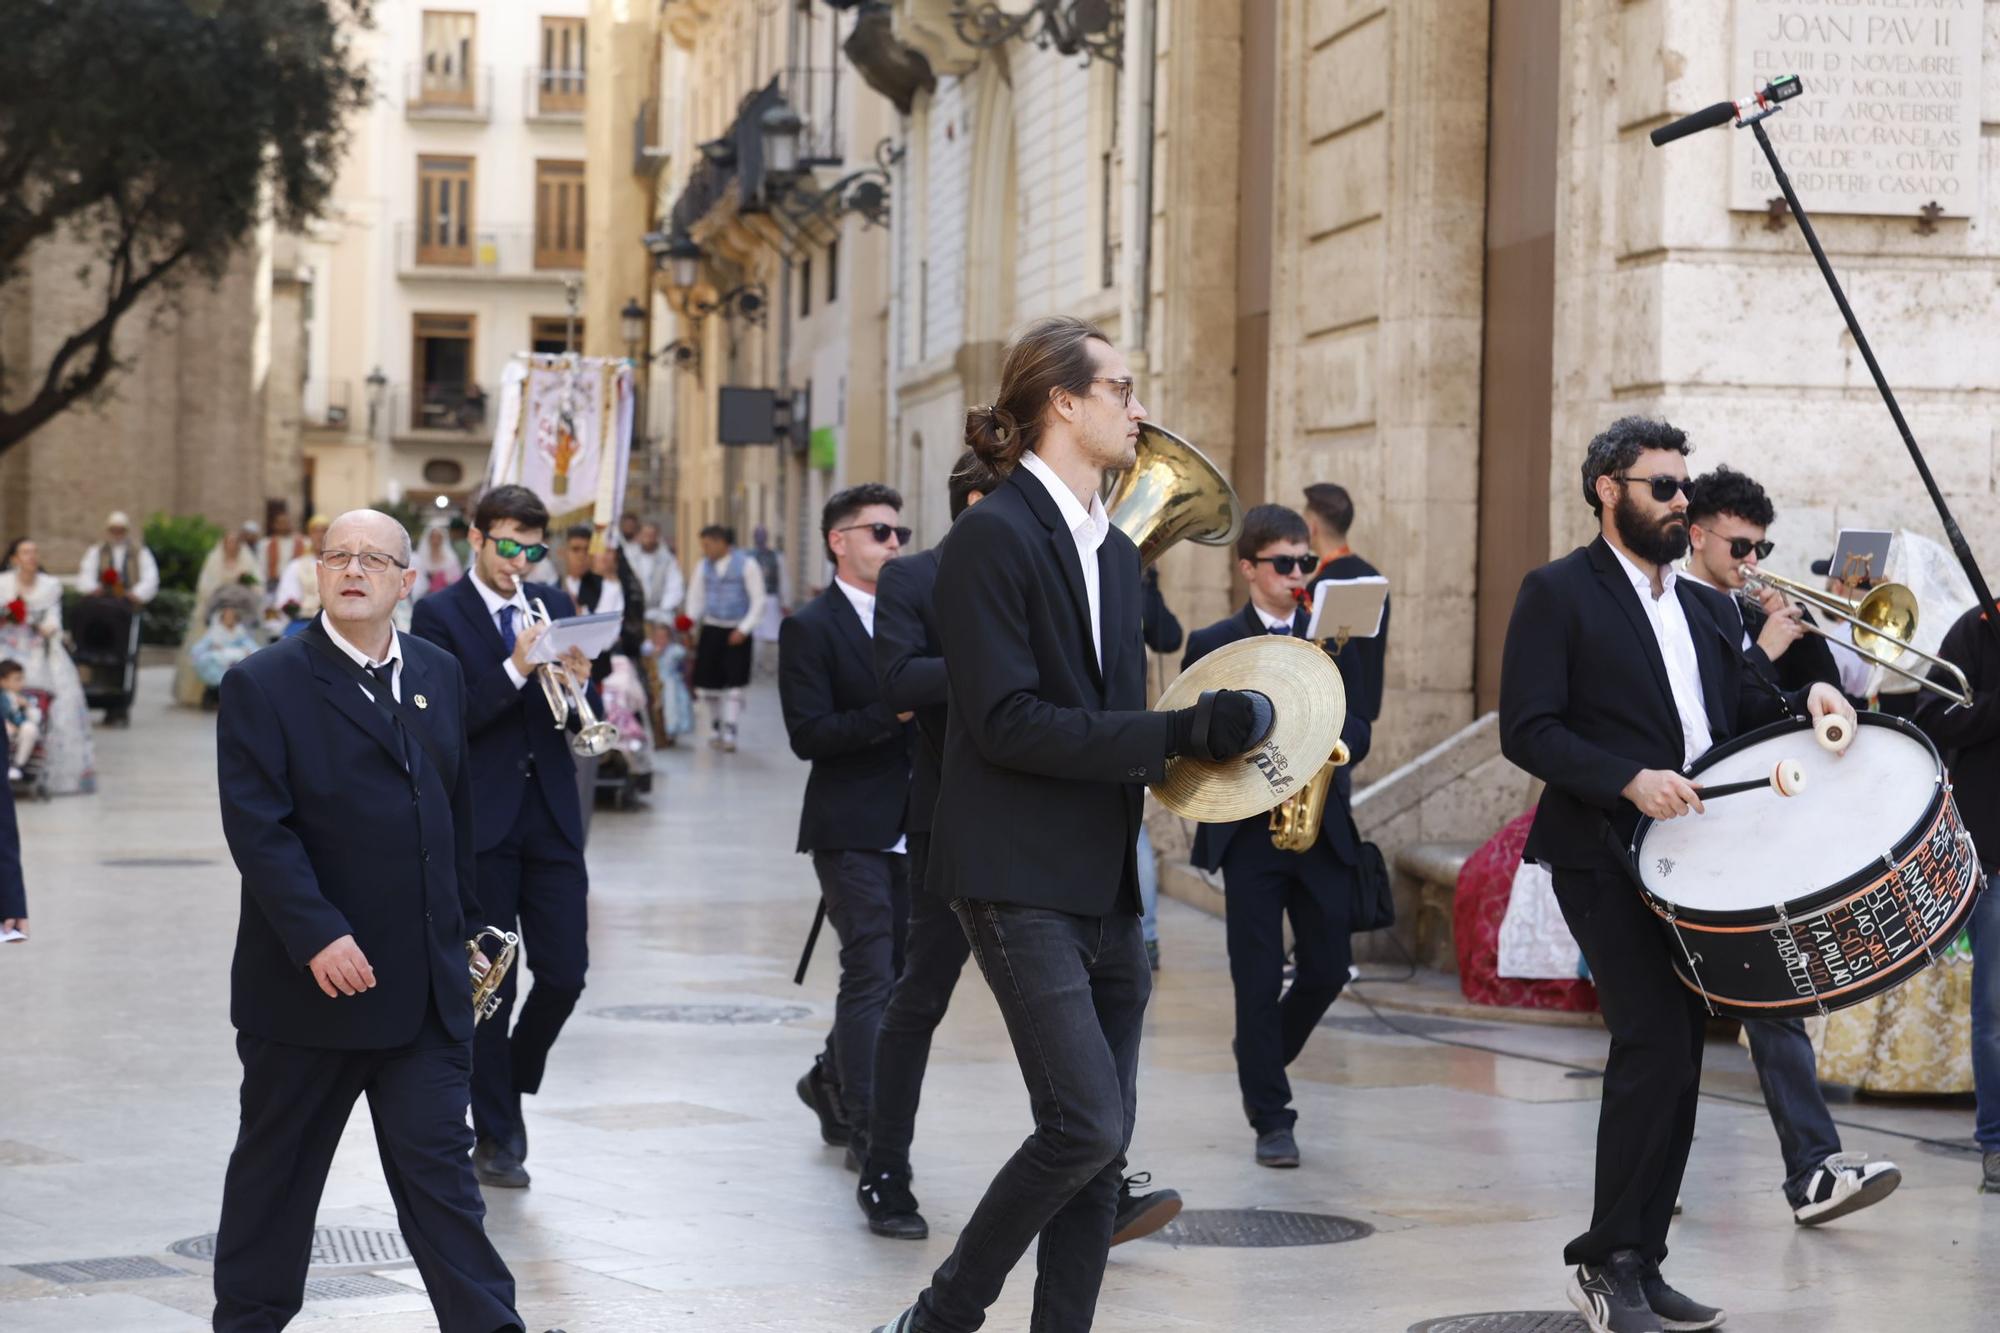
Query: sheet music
(592, 634)
(1352, 606)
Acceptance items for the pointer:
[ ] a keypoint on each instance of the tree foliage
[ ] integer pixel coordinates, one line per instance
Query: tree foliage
(158, 134)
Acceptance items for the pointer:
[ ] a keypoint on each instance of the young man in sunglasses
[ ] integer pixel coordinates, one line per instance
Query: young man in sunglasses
(857, 799)
(1728, 515)
(1314, 888)
(1616, 677)
(529, 830)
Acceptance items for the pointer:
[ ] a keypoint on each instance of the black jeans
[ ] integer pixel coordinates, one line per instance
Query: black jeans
(1789, 1072)
(933, 958)
(295, 1102)
(534, 877)
(1263, 886)
(868, 902)
(1652, 1080)
(1073, 992)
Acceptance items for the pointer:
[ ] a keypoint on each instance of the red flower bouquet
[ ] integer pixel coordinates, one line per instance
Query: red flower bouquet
(17, 611)
(683, 624)
(107, 579)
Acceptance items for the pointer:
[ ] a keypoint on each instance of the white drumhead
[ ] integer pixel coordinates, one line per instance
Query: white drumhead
(1758, 848)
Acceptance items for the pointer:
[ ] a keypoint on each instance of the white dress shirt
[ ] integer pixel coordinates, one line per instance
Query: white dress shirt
(1670, 628)
(142, 584)
(368, 663)
(864, 606)
(753, 585)
(494, 601)
(1272, 624)
(1089, 528)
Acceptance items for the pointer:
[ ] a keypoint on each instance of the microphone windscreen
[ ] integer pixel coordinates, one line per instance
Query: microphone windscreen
(1705, 119)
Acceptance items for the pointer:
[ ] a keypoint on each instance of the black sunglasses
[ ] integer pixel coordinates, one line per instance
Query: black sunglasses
(1285, 564)
(1741, 547)
(509, 548)
(1663, 487)
(880, 532)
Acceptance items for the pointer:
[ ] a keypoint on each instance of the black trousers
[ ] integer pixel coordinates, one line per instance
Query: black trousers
(1652, 1080)
(868, 902)
(933, 957)
(1263, 886)
(533, 880)
(295, 1103)
(1073, 991)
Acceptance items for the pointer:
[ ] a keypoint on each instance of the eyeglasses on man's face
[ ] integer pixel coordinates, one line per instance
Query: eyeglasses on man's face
(1285, 564)
(881, 532)
(373, 562)
(1663, 487)
(508, 548)
(1120, 385)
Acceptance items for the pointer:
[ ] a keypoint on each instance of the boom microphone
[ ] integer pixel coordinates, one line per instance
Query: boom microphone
(1765, 100)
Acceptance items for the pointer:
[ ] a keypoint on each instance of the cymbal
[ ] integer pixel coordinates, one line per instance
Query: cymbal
(1310, 701)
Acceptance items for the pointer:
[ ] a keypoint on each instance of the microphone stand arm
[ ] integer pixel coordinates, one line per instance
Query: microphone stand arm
(1951, 529)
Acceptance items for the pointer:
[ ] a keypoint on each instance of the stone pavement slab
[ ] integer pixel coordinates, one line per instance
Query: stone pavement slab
(679, 1185)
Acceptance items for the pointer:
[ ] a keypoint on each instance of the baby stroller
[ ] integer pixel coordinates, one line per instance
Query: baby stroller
(34, 779)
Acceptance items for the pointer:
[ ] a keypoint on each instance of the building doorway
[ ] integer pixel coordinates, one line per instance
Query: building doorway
(444, 395)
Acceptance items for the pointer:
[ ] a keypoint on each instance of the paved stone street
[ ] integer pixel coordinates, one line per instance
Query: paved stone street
(680, 1185)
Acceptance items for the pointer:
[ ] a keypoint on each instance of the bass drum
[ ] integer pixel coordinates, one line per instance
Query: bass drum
(1779, 907)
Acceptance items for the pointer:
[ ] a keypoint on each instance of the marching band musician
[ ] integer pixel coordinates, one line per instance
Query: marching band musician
(529, 835)
(1727, 516)
(1614, 678)
(346, 788)
(1266, 884)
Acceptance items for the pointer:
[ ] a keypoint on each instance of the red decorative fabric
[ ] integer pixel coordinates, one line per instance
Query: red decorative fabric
(1480, 904)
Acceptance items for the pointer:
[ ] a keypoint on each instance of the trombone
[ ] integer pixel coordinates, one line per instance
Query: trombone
(1887, 615)
(565, 694)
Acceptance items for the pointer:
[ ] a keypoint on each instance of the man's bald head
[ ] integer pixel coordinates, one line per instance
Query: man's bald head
(369, 530)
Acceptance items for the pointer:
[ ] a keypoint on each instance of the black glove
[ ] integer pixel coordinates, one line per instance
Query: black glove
(1224, 724)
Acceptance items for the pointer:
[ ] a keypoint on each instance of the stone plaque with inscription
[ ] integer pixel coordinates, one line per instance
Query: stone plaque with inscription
(1889, 119)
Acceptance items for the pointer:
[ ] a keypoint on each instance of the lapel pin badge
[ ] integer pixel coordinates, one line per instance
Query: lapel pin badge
(421, 702)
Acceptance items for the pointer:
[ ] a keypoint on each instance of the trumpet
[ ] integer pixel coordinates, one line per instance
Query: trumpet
(566, 695)
(486, 984)
(1887, 615)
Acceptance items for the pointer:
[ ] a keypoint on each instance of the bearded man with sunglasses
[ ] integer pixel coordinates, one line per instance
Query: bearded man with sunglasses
(1265, 885)
(857, 801)
(1616, 677)
(529, 831)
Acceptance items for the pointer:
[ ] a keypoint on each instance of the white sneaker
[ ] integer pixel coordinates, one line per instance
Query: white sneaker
(1844, 1183)
(13, 774)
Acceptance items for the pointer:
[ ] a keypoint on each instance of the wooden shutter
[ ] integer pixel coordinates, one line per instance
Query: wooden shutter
(444, 210)
(558, 214)
(560, 80)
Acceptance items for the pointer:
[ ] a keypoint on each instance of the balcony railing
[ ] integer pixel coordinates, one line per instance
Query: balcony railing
(329, 404)
(431, 94)
(441, 251)
(814, 93)
(450, 409)
(553, 94)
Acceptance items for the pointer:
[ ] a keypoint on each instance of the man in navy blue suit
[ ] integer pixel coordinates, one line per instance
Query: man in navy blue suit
(531, 827)
(1315, 888)
(346, 791)
(529, 833)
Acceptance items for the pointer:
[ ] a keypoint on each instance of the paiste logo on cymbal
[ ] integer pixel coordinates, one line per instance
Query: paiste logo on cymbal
(1271, 762)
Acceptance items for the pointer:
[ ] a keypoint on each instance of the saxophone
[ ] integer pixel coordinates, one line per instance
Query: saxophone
(1295, 824)
(486, 984)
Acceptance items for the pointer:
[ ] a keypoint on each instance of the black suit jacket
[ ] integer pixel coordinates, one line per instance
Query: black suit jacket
(1585, 703)
(1046, 752)
(909, 664)
(334, 836)
(859, 789)
(514, 737)
(1365, 673)
(13, 889)
(1807, 662)
(1339, 841)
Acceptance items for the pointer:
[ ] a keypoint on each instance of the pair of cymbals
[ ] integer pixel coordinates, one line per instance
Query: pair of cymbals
(1309, 702)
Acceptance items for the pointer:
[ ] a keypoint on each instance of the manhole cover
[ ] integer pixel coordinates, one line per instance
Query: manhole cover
(156, 862)
(1258, 1229)
(1950, 1147)
(1415, 1025)
(1506, 1321)
(334, 1249)
(706, 1013)
(118, 1268)
(353, 1286)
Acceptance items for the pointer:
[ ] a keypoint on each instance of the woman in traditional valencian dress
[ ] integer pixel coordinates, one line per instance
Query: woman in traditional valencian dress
(31, 634)
(231, 564)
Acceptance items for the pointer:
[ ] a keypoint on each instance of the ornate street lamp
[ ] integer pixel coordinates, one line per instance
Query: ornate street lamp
(1094, 29)
(780, 128)
(632, 326)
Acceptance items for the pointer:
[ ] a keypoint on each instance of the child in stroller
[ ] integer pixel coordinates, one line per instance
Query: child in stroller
(23, 710)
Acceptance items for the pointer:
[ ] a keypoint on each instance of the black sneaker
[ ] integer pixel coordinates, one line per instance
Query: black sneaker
(1678, 1313)
(1277, 1148)
(905, 1322)
(1845, 1183)
(1142, 1214)
(1610, 1295)
(816, 1091)
(892, 1209)
(857, 1153)
(1989, 1172)
(494, 1165)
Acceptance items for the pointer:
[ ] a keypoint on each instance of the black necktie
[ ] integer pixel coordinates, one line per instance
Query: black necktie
(386, 673)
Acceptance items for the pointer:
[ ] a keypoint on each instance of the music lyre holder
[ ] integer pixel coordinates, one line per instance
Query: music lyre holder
(1751, 113)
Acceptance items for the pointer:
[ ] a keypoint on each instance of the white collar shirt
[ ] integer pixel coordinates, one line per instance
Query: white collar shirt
(1748, 642)
(494, 602)
(1088, 528)
(1676, 640)
(368, 663)
(1272, 624)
